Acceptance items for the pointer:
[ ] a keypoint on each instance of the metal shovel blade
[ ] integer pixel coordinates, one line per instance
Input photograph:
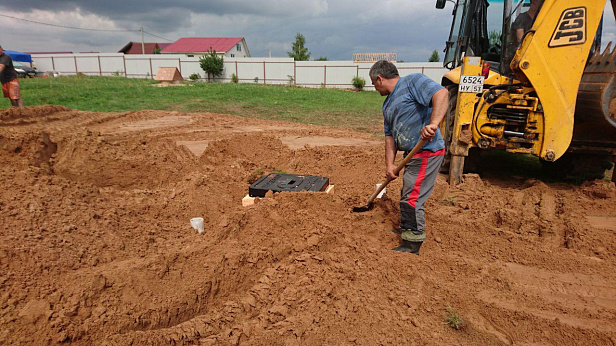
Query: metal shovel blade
(369, 205)
(363, 208)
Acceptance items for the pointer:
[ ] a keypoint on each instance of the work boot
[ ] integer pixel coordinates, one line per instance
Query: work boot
(412, 235)
(409, 246)
(411, 240)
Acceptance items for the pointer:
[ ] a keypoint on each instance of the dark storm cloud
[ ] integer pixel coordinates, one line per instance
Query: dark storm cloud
(333, 28)
(122, 9)
(170, 16)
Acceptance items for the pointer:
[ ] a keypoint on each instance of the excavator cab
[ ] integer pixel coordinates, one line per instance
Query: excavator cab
(485, 29)
(516, 69)
(482, 28)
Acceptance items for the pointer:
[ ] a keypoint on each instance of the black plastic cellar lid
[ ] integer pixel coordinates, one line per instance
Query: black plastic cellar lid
(278, 182)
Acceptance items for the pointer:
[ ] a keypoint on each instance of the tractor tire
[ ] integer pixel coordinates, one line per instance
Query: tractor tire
(578, 166)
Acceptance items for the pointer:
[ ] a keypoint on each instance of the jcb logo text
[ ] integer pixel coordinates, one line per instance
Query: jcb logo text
(571, 28)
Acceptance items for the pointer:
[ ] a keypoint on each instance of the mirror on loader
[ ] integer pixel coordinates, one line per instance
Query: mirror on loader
(440, 4)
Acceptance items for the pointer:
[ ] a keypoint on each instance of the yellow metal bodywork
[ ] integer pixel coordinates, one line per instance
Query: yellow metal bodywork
(493, 77)
(475, 123)
(462, 137)
(465, 107)
(548, 67)
(533, 129)
(554, 70)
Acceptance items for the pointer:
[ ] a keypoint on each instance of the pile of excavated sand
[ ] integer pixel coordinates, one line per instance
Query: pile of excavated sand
(96, 245)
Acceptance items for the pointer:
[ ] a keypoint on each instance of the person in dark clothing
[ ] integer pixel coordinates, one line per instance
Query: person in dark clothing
(525, 21)
(8, 78)
(521, 25)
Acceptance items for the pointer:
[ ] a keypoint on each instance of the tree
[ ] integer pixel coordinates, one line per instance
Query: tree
(434, 57)
(156, 50)
(212, 64)
(321, 58)
(495, 38)
(298, 51)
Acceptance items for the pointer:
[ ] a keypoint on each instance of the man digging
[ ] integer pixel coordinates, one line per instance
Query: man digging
(413, 109)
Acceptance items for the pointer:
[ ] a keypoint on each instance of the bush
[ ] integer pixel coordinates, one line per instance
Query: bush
(358, 83)
(194, 76)
(212, 64)
(234, 78)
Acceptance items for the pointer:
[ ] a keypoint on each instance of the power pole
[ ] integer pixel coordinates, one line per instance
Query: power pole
(270, 50)
(142, 44)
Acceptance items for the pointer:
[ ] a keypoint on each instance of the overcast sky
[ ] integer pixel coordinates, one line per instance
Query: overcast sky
(333, 28)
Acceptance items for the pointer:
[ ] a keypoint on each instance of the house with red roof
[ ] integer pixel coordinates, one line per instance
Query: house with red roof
(230, 47)
(138, 48)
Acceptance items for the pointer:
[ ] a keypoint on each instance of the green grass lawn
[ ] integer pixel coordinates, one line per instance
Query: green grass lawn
(331, 107)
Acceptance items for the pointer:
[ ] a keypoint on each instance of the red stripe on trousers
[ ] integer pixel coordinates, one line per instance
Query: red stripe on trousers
(420, 177)
(424, 155)
(428, 153)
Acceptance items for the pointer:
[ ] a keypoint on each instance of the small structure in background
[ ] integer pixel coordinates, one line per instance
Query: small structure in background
(168, 76)
(148, 47)
(229, 47)
(374, 57)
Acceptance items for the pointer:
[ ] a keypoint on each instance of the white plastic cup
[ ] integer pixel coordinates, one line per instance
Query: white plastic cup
(380, 193)
(197, 223)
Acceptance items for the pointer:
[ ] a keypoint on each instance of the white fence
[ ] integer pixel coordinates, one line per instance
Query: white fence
(334, 74)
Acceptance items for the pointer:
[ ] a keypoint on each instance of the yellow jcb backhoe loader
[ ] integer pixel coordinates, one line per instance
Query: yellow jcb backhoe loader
(548, 92)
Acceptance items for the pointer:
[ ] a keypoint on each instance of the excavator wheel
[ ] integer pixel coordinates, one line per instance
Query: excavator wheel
(574, 166)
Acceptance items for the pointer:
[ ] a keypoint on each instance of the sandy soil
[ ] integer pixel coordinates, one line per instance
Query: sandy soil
(96, 246)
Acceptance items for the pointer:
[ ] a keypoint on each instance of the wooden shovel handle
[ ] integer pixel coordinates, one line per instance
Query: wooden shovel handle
(401, 165)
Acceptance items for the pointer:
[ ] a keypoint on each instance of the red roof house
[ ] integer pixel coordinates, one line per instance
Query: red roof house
(135, 47)
(232, 47)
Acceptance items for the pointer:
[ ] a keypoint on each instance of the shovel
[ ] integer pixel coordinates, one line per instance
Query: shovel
(369, 205)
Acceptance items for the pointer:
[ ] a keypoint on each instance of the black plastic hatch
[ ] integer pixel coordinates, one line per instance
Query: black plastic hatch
(278, 182)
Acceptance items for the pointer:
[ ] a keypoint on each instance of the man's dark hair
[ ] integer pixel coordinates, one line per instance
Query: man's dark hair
(384, 69)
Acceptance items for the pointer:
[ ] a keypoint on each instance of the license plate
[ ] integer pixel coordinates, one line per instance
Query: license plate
(471, 84)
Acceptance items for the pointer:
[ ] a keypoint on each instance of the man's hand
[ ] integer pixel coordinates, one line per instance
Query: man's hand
(428, 132)
(390, 172)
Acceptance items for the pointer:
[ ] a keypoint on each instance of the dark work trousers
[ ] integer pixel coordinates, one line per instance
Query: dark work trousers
(418, 182)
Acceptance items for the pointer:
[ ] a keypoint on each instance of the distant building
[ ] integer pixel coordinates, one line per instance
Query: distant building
(230, 47)
(373, 57)
(136, 48)
(50, 53)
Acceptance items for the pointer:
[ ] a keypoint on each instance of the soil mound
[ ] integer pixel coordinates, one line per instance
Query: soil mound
(28, 112)
(96, 246)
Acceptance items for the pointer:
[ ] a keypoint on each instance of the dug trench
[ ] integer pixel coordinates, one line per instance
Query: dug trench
(96, 246)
